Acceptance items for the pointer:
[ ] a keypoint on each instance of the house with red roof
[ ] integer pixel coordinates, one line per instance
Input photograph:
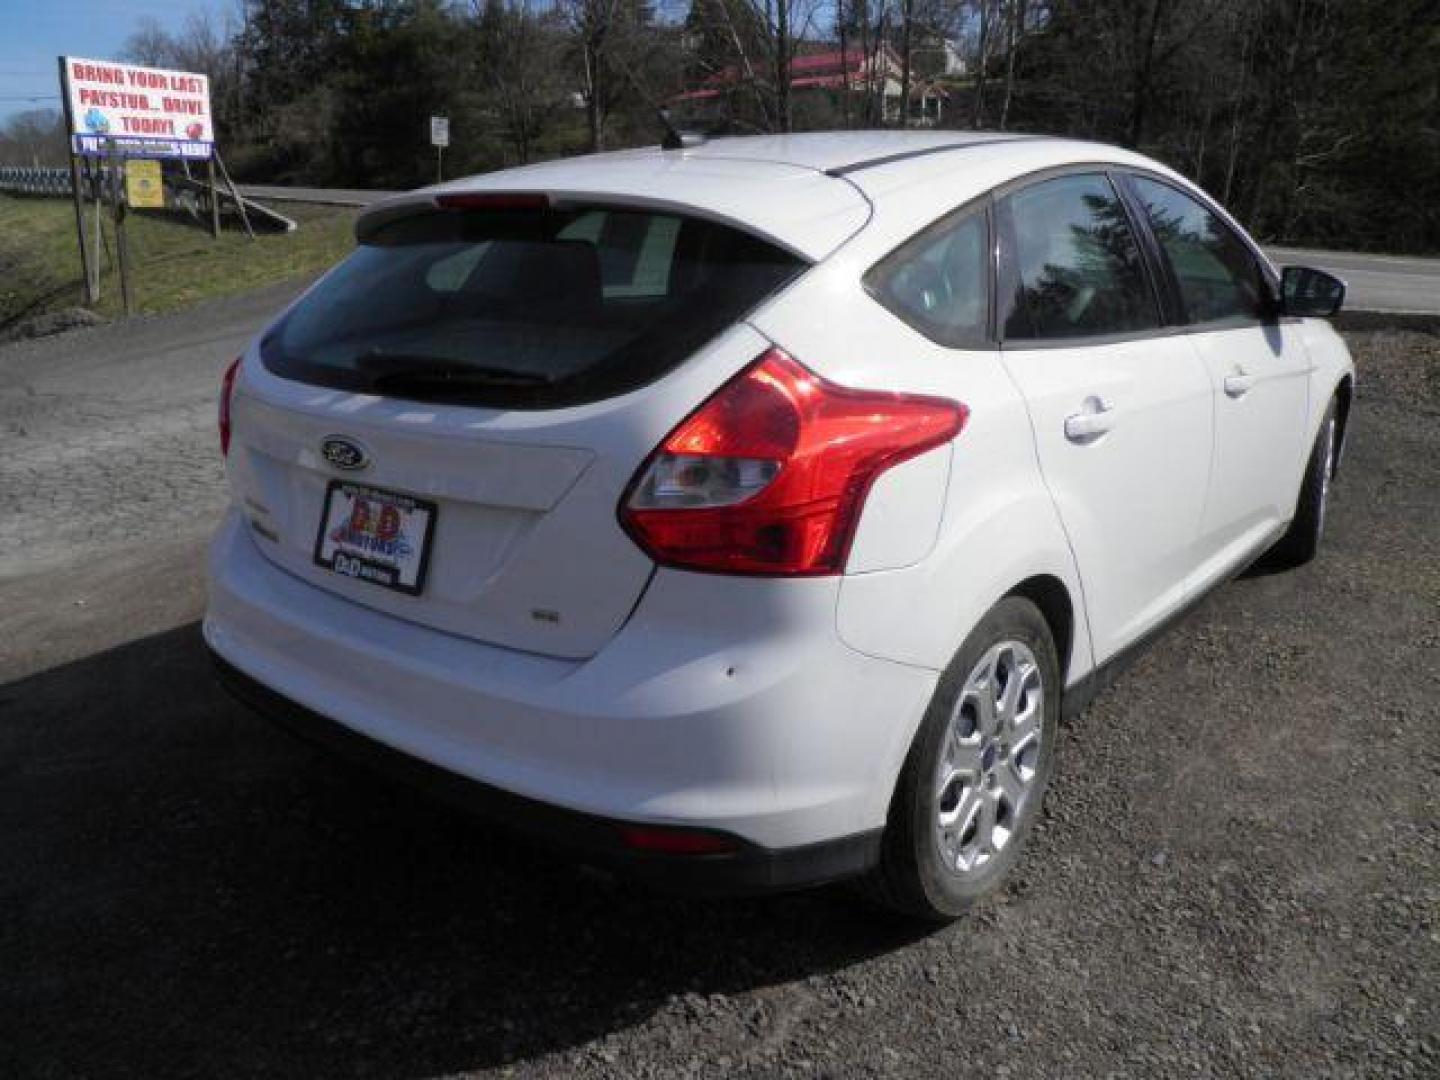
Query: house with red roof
(835, 71)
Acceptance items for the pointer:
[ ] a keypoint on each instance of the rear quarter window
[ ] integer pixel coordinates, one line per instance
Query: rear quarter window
(939, 280)
(531, 308)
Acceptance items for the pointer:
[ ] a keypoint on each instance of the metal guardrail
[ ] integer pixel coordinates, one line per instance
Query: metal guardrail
(185, 193)
(27, 180)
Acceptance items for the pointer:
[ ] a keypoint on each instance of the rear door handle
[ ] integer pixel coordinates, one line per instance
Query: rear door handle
(1093, 421)
(1238, 384)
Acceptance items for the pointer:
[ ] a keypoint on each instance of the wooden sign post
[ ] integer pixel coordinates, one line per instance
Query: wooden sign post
(122, 248)
(89, 264)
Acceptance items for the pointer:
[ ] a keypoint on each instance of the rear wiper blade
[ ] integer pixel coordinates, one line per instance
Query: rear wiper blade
(428, 378)
(394, 370)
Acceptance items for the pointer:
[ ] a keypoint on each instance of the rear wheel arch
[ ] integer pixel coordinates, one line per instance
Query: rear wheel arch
(1049, 594)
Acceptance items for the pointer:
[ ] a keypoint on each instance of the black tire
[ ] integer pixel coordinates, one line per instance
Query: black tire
(1302, 540)
(911, 877)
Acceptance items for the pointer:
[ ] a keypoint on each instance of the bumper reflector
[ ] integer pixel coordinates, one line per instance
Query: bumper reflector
(666, 841)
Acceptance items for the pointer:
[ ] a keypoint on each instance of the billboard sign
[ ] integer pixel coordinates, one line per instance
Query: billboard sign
(139, 111)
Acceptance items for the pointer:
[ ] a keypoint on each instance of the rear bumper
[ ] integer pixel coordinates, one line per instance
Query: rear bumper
(723, 704)
(747, 870)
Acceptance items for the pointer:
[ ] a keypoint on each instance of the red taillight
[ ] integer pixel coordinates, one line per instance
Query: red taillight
(770, 474)
(667, 841)
(227, 390)
(493, 200)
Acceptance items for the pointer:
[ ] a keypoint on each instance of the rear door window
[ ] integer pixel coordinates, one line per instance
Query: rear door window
(523, 308)
(1075, 263)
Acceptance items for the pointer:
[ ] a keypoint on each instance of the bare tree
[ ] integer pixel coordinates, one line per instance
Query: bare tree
(1016, 28)
(519, 67)
(35, 138)
(199, 46)
(982, 60)
(867, 24)
(779, 26)
(602, 29)
(907, 45)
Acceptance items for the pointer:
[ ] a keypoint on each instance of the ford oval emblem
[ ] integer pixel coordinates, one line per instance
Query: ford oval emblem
(344, 453)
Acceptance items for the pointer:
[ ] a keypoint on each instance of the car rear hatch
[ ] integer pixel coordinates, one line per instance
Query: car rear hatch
(442, 428)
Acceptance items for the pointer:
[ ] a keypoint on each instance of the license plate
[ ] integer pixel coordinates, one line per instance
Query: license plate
(374, 535)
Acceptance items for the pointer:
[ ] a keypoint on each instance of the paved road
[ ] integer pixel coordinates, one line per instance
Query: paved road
(1238, 873)
(1375, 282)
(109, 476)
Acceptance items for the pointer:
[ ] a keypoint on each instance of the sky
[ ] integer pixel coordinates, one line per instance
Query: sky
(34, 32)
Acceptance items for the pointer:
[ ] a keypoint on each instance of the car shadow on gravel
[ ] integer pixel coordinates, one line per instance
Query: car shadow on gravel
(188, 890)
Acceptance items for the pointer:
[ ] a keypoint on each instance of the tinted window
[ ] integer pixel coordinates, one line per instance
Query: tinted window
(1077, 266)
(938, 282)
(1218, 277)
(523, 308)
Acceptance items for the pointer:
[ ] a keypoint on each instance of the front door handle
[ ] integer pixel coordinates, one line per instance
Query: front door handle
(1094, 420)
(1238, 383)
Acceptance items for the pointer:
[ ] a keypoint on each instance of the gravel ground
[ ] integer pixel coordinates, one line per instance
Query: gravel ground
(1236, 874)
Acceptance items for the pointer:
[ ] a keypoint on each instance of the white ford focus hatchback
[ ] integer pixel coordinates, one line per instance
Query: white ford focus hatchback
(749, 514)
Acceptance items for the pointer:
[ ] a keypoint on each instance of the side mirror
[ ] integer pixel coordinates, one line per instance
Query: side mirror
(1309, 293)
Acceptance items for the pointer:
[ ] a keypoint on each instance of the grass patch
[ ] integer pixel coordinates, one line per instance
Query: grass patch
(173, 262)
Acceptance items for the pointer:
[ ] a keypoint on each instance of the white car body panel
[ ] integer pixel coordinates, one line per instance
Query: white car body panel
(992, 491)
(550, 657)
(1130, 497)
(1330, 366)
(903, 515)
(680, 719)
(1260, 384)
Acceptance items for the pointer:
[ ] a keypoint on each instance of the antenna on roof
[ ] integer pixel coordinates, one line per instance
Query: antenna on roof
(676, 138)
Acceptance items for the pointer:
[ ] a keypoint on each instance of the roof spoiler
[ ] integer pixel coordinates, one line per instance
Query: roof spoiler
(378, 215)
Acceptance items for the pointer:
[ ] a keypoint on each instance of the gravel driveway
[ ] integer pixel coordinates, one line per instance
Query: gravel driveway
(1236, 874)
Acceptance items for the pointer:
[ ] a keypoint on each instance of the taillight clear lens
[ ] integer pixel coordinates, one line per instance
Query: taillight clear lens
(769, 475)
(227, 391)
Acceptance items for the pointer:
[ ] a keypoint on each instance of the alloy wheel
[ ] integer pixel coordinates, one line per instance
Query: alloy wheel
(990, 757)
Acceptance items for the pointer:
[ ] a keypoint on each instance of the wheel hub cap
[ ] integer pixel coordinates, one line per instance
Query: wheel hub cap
(989, 759)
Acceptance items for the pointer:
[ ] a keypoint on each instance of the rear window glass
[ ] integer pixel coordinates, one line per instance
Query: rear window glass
(523, 308)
